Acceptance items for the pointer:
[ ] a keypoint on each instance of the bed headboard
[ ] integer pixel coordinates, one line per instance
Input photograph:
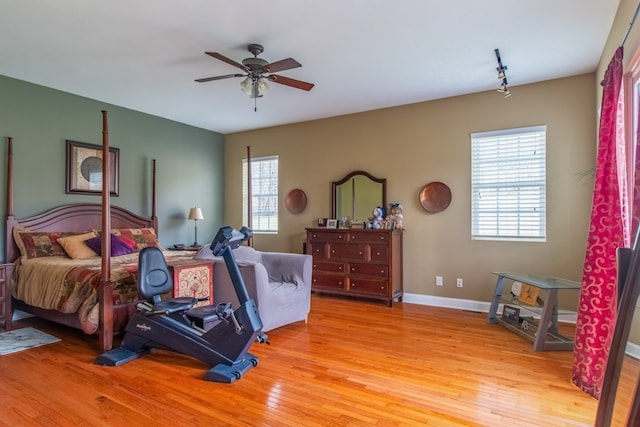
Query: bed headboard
(76, 218)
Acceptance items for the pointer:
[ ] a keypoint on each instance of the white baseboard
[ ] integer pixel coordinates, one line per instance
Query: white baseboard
(462, 304)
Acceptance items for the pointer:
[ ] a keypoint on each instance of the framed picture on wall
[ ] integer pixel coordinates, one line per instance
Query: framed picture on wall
(84, 168)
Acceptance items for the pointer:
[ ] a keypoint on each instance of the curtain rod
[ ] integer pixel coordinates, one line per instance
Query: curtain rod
(633, 20)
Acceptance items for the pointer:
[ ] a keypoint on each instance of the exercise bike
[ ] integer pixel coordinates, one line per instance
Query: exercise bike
(217, 335)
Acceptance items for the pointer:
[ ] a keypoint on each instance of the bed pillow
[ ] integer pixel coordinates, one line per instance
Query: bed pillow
(37, 244)
(130, 242)
(142, 236)
(75, 247)
(118, 247)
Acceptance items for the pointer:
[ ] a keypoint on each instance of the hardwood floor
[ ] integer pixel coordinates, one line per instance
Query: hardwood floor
(353, 363)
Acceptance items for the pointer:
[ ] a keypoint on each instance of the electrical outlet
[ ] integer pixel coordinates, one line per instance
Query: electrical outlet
(438, 280)
(459, 282)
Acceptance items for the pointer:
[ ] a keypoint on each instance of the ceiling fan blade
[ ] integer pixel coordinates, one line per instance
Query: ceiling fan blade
(298, 84)
(284, 64)
(227, 76)
(227, 60)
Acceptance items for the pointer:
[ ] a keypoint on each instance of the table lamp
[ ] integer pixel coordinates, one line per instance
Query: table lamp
(195, 214)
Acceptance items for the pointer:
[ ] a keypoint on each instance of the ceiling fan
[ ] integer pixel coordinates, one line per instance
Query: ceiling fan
(258, 72)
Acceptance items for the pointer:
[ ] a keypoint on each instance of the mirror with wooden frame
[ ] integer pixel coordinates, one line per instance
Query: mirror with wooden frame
(619, 403)
(356, 195)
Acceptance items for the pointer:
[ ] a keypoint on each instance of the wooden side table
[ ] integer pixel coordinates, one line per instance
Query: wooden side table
(6, 312)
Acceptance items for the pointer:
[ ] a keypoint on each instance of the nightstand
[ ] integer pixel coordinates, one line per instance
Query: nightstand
(185, 248)
(192, 278)
(5, 295)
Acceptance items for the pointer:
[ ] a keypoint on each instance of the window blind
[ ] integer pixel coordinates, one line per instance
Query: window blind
(264, 194)
(508, 184)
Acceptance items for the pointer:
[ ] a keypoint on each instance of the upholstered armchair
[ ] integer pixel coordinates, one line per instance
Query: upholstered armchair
(278, 282)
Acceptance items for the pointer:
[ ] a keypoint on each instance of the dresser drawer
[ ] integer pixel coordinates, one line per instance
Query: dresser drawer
(349, 252)
(328, 236)
(369, 237)
(317, 249)
(366, 286)
(329, 267)
(328, 281)
(379, 253)
(378, 270)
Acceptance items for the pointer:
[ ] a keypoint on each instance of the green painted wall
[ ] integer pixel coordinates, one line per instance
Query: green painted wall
(189, 160)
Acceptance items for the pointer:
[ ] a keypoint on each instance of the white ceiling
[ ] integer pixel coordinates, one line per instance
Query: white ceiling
(361, 54)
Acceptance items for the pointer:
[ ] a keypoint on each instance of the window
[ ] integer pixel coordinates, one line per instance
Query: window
(508, 184)
(264, 194)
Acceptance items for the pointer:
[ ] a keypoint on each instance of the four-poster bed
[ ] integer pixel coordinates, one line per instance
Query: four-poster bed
(97, 294)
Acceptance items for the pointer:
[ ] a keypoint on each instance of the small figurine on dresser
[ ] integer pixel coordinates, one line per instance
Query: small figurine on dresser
(394, 220)
(375, 221)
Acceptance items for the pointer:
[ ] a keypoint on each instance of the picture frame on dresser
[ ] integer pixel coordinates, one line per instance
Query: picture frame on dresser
(332, 223)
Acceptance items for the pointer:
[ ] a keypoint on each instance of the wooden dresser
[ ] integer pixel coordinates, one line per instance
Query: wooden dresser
(355, 262)
(5, 295)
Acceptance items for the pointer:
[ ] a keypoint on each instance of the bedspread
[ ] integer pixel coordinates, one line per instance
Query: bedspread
(70, 286)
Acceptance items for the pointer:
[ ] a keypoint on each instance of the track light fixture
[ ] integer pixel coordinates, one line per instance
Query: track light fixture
(502, 75)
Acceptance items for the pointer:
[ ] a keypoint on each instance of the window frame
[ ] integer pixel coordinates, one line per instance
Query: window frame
(522, 216)
(258, 216)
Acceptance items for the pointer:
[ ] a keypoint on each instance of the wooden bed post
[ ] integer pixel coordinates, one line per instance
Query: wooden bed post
(154, 207)
(9, 207)
(105, 293)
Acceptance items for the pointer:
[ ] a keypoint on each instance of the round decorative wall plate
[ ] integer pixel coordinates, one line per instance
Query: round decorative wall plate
(435, 197)
(296, 201)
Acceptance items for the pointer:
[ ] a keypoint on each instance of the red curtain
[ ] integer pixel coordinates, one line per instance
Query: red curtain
(608, 230)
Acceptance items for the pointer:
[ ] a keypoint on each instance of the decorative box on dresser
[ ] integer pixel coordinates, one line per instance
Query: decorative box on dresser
(5, 296)
(357, 262)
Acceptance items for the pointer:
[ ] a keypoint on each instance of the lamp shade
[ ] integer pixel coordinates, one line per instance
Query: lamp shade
(195, 214)
(247, 85)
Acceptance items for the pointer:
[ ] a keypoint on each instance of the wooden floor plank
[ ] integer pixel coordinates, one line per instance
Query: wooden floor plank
(354, 363)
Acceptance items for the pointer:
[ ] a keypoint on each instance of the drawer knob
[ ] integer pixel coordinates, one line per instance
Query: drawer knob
(360, 253)
(378, 253)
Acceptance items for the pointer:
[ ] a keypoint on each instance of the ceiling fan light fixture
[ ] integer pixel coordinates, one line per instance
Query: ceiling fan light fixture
(263, 86)
(246, 85)
(256, 81)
